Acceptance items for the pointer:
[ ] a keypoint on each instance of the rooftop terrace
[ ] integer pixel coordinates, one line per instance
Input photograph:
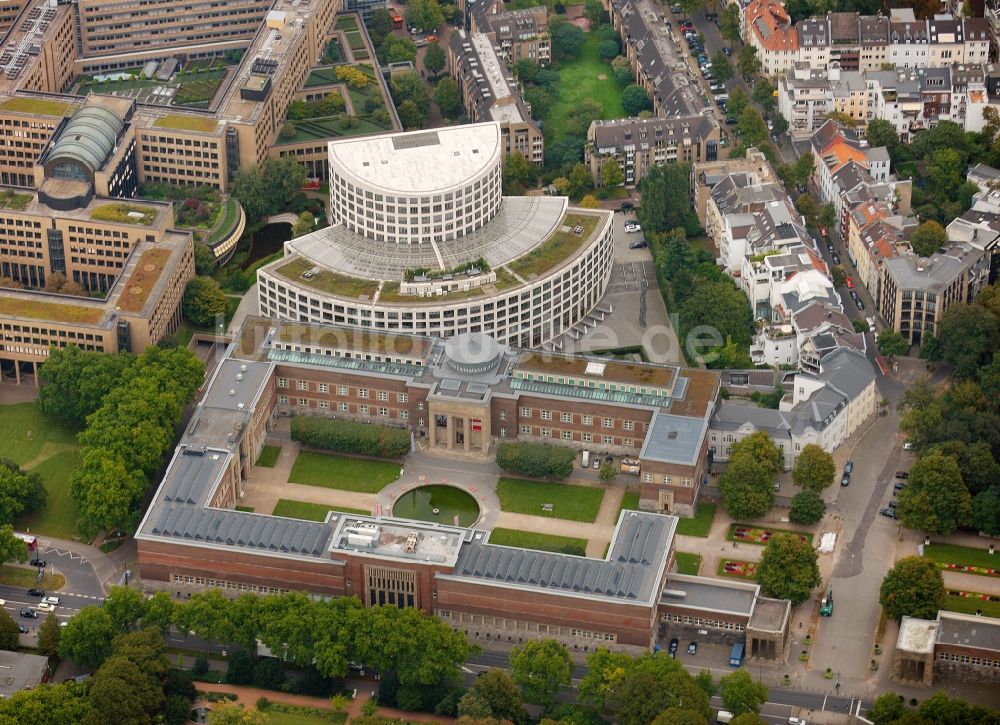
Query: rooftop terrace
(325, 280)
(139, 286)
(604, 370)
(36, 106)
(351, 338)
(182, 122)
(559, 247)
(37, 309)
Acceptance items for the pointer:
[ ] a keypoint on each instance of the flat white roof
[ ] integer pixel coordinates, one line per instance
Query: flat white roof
(418, 162)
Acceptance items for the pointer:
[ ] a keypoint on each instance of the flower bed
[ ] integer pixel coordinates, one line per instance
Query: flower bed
(980, 570)
(738, 569)
(756, 535)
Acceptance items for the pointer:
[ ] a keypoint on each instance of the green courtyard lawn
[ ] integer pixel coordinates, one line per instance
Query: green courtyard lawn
(347, 474)
(630, 502)
(25, 578)
(576, 503)
(687, 563)
(311, 511)
(700, 524)
(534, 540)
(48, 448)
(269, 456)
(581, 78)
(755, 534)
(945, 554)
(968, 605)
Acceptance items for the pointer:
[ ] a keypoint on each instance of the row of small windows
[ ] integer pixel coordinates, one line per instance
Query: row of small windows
(305, 385)
(344, 407)
(968, 660)
(567, 435)
(664, 480)
(223, 584)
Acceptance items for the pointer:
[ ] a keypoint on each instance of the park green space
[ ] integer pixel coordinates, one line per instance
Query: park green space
(630, 502)
(269, 456)
(576, 503)
(48, 448)
(731, 535)
(347, 474)
(311, 511)
(945, 554)
(275, 717)
(534, 540)
(700, 524)
(584, 77)
(687, 563)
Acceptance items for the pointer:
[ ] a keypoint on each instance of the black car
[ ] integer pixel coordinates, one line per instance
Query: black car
(36, 593)
(693, 648)
(673, 645)
(727, 51)
(845, 480)
(898, 486)
(38, 562)
(29, 614)
(888, 513)
(892, 504)
(849, 467)
(639, 245)
(730, 121)
(627, 206)
(903, 474)
(22, 629)
(859, 303)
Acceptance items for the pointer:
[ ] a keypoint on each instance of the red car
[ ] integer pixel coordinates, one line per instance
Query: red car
(822, 231)
(432, 38)
(850, 283)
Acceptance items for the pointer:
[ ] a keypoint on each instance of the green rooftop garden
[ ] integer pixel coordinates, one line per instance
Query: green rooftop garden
(39, 310)
(179, 122)
(390, 293)
(12, 200)
(143, 279)
(335, 284)
(347, 22)
(505, 280)
(557, 248)
(229, 219)
(124, 214)
(322, 77)
(39, 106)
(355, 41)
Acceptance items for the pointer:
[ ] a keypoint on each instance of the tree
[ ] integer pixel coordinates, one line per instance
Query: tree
(721, 67)
(206, 614)
(679, 716)
(567, 41)
(828, 216)
(611, 173)
(751, 128)
(913, 587)
(935, 499)
(928, 237)
(608, 471)
(788, 568)
(804, 167)
(231, 713)
(48, 636)
(11, 547)
(493, 695)
(21, 492)
(986, 511)
(580, 180)
(887, 708)
(125, 607)
(608, 49)
(814, 468)
(664, 202)
(622, 70)
(741, 694)
(527, 70)
(424, 14)
(635, 99)
(746, 488)
(763, 94)
(589, 201)
(748, 64)
(411, 116)
(204, 301)
(539, 99)
(303, 225)
(882, 133)
(808, 507)
(517, 172)
(759, 447)
(779, 125)
(748, 718)
(447, 98)
(540, 667)
(729, 24)
(594, 12)
(75, 382)
(434, 58)
(380, 23)
(411, 87)
(892, 344)
(738, 101)
(86, 638)
(969, 334)
(10, 635)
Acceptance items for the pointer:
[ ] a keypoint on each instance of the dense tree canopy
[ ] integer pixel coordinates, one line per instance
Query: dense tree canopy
(268, 190)
(969, 335)
(21, 492)
(814, 469)
(204, 301)
(664, 203)
(788, 568)
(928, 237)
(807, 507)
(424, 15)
(74, 382)
(740, 694)
(935, 499)
(540, 667)
(913, 588)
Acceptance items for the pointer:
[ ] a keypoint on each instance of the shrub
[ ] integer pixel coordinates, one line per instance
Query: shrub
(200, 666)
(537, 460)
(346, 436)
(268, 673)
(240, 671)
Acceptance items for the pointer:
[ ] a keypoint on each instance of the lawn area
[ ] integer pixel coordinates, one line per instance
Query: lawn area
(230, 216)
(310, 511)
(630, 502)
(759, 535)
(557, 248)
(22, 577)
(49, 449)
(579, 80)
(945, 554)
(687, 563)
(276, 717)
(969, 605)
(534, 540)
(347, 474)
(576, 503)
(700, 524)
(337, 284)
(269, 456)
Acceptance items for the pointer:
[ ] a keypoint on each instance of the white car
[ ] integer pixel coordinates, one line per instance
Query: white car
(52, 600)
(45, 607)
(631, 227)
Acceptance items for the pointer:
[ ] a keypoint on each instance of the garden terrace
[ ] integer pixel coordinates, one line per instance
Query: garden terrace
(230, 216)
(40, 310)
(124, 214)
(348, 339)
(590, 371)
(147, 271)
(558, 248)
(36, 106)
(181, 122)
(12, 200)
(326, 281)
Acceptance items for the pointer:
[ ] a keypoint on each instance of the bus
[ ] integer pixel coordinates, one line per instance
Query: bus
(736, 655)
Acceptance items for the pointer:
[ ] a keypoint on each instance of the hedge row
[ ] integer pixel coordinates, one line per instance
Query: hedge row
(345, 436)
(536, 460)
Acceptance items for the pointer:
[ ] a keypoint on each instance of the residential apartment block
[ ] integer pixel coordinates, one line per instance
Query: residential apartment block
(516, 34)
(491, 93)
(639, 144)
(861, 43)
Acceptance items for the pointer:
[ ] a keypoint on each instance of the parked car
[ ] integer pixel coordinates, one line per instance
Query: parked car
(858, 301)
(849, 467)
(36, 593)
(692, 648)
(849, 282)
(907, 446)
(632, 226)
(22, 629)
(29, 613)
(892, 504)
(627, 206)
(903, 474)
(845, 480)
(675, 9)
(730, 121)
(835, 258)
(38, 562)
(727, 52)
(639, 245)
(822, 231)
(888, 513)
(898, 486)
(673, 645)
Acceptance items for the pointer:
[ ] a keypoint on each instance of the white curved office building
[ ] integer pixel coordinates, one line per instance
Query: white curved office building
(423, 242)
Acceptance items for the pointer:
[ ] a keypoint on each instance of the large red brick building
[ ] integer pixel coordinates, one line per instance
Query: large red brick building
(465, 394)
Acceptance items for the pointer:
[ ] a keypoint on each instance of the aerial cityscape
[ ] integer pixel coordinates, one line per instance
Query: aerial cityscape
(487, 362)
